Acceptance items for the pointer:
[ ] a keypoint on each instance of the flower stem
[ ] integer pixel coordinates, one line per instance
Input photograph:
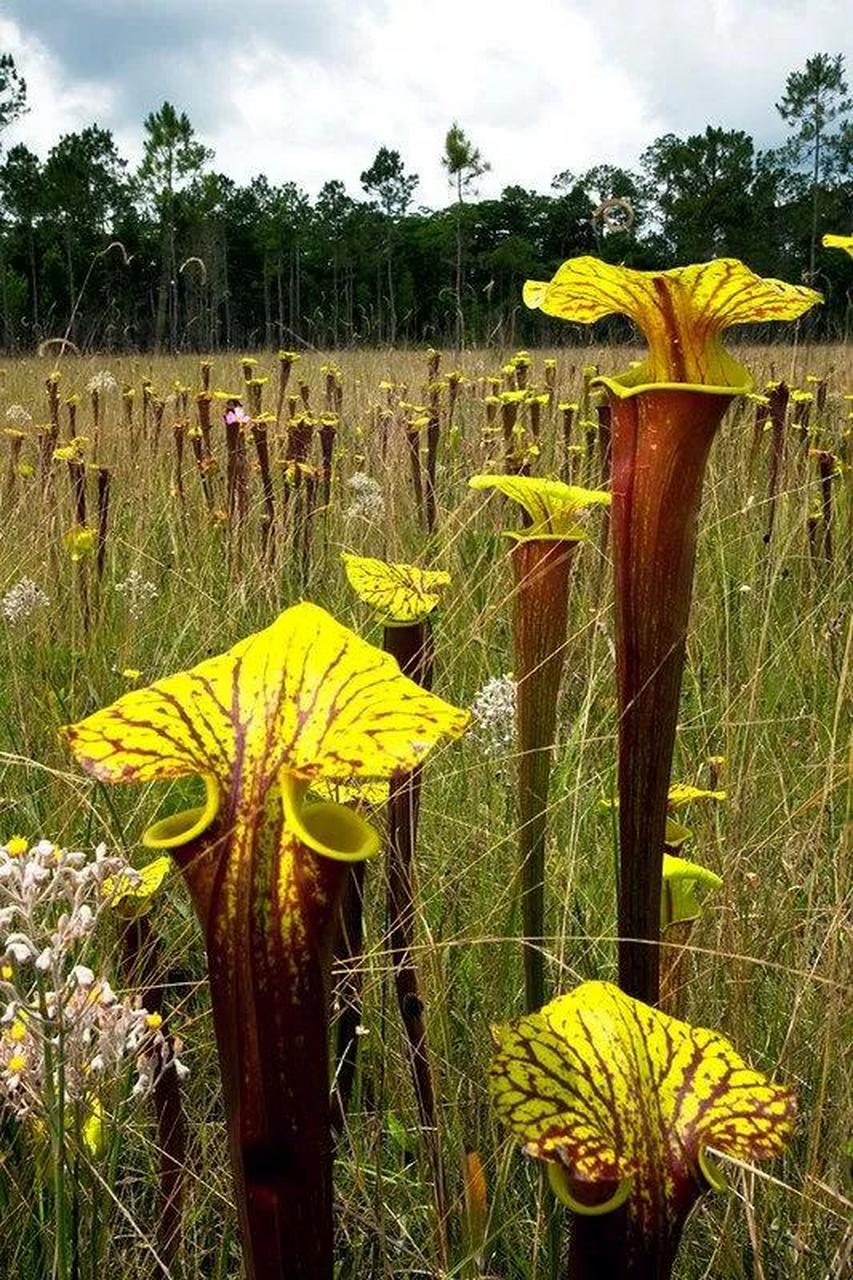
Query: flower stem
(411, 645)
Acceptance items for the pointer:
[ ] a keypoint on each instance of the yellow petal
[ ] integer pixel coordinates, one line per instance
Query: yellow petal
(399, 593)
(553, 507)
(681, 312)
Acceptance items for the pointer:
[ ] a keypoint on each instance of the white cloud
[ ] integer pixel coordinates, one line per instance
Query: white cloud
(308, 90)
(413, 68)
(58, 105)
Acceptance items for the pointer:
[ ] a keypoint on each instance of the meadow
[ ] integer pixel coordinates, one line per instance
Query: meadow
(150, 544)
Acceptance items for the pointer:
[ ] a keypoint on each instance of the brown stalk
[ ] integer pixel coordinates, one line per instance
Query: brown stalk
(567, 465)
(778, 397)
(142, 960)
(103, 520)
(262, 449)
(541, 571)
(348, 954)
(412, 646)
(661, 441)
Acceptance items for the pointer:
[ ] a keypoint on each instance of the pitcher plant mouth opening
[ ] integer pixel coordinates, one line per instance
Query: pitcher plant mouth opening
(333, 830)
(182, 828)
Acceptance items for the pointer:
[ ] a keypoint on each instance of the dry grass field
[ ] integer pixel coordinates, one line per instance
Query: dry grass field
(172, 569)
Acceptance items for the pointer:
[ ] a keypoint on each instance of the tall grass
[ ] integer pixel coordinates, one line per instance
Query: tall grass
(767, 686)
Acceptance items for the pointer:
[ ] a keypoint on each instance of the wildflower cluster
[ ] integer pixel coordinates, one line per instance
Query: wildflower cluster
(22, 601)
(65, 1036)
(368, 502)
(493, 711)
(138, 593)
(101, 382)
(19, 415)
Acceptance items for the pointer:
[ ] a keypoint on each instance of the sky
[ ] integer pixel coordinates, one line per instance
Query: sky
(307, 90)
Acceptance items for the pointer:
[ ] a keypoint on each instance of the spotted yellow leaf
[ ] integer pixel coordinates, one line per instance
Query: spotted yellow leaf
(551, 506)
(398, 593)
(131, 895)
(610, 1089)
(681, 312)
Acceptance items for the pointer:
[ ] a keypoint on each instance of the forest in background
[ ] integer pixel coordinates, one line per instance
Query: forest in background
(176, 256)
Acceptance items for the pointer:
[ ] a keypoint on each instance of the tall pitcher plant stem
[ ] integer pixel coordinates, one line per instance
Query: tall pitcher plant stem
(304, 702)
(542, 557)
(665, 414)
(403, 597)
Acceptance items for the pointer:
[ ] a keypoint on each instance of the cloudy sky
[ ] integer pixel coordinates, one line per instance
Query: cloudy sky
(309, 89)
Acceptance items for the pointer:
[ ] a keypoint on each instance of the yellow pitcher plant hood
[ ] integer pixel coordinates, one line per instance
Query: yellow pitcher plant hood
(398, 593)
(838, 242)
(679, 903)
(623, 1101)
(681, 313)
(552, 506)
(304, 700)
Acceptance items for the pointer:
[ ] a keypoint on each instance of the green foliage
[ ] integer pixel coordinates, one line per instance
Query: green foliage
(211, 264)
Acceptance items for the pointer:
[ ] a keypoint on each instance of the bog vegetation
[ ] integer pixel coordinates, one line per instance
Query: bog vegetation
(151, 521)
(408, 757)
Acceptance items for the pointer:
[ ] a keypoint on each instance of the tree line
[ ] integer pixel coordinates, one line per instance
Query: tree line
(175, 255)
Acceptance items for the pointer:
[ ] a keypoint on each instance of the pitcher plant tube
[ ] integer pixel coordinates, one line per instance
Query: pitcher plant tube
(626, 1105)
(403, 597)
(304, 701)
(542, 556)
(665, 413)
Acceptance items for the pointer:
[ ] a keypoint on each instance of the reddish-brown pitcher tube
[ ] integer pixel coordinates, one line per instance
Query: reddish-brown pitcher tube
(412, 646)
(661, 440)
(270, 990)
(540, 614)
(612, 1245)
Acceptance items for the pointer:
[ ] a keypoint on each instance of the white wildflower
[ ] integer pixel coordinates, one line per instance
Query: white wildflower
(22, 601)
(137, 592)
(64, 1025)
(101, 382)
(19, 415)
(368, 502)
(493, 711)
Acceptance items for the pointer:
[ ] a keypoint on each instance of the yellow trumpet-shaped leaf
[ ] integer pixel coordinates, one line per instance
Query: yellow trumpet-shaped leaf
(306, 695)
(398, 593)
(609, 1089)
(551, 506)
(681, 313)
(838, 242)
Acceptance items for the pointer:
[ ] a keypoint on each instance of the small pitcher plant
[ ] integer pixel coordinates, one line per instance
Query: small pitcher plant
(542, 556)
(625, 1106)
